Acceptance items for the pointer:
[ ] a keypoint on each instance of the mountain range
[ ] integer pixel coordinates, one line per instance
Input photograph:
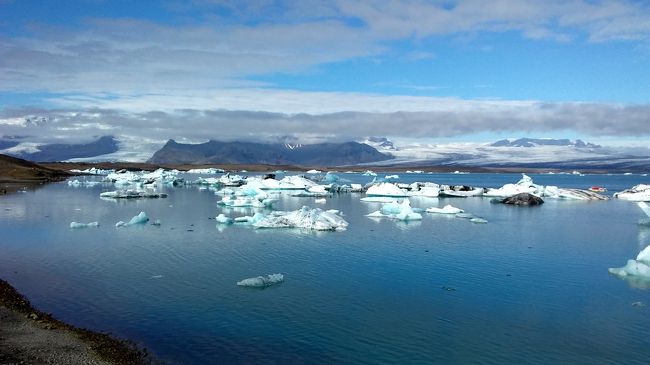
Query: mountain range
(545, 153)
(217, 152)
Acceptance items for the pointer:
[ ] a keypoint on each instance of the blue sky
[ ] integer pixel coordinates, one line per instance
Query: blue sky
(407, 69)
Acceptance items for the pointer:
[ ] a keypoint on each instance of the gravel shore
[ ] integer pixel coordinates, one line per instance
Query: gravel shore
(29, 336)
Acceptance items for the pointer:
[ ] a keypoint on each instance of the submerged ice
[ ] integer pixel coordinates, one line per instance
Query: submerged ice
(262, 281)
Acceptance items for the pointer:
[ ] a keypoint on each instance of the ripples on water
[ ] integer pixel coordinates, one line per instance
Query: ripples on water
(531, 286)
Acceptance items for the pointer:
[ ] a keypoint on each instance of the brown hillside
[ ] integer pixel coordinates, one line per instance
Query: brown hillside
(18, 170)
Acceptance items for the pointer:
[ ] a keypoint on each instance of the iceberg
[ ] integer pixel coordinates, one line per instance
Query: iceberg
(639, 267)
(84, 183)
(400, 211)
(262, 281)
(524, 185)
(210, 170)
(461, 191)
(313, 172)
(314, 219)
(427, 190)
(141, 218)
(571, 194)
(447, 209)
(638, 193)
(76, 225)
(369, 173)
(385, 189)
(387, 177)
(221, 218)
(320, 201)
(131, 194)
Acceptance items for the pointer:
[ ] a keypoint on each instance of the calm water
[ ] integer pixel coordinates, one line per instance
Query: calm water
(529, 287)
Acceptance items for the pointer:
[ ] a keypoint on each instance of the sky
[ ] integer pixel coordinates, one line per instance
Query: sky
(410, 70)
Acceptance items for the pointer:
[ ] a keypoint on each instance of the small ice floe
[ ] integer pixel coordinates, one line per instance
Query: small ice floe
(141, 218)
(156, 222)
(387, 177)
(472, 218)
(210, 170)
(313, 172)
(460, 191)
(447, 209)
(400, 211)
(369, 173)
(639, 267)
(157, 276)
(222, 219)
(262, 281)
(76, 225)
(83, 183)
(320, 201)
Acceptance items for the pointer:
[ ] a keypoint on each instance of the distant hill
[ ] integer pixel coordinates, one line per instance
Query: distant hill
(62, 152)
(534, 142)
(216, 152)
(14, 169)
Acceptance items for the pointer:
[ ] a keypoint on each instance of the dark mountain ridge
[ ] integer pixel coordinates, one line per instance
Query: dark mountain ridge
(217, 152)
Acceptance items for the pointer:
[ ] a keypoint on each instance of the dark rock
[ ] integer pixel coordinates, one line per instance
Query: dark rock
(523, 199)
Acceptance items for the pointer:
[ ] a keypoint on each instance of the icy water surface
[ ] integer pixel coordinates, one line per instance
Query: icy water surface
(529, 287)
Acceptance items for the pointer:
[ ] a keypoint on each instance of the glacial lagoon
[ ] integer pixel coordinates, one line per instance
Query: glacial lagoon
(529, 287)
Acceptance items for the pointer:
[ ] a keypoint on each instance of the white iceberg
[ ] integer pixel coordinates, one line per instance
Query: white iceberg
(210, 170)
(314, 219)
(400, 211)
(221, 218)
(461, 191)
(447, 209)
(320, 201)
(387, 177)
(385, 189)
(76, 225)
(132, 194)
(639, 267)
(369, 173)
(313, 172)
(638, 193)
(262, 281)
(524, 185)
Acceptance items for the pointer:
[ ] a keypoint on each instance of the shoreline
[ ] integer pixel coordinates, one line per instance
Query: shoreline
(28, 335)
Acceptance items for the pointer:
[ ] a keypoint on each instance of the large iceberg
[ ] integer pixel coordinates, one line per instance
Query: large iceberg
(131, 194)
(314, 219)
(639, 193)
(386, 189)
(262, 281)
(524, 185)
(400, 211)
(639, 267)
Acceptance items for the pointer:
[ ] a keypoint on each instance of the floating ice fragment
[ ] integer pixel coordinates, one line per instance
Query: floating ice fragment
(262, 281)
(639, 267)
(447, 209)
(478, 220)
(141, 218)
(76, 225)
(320, 201)
(221, 218)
